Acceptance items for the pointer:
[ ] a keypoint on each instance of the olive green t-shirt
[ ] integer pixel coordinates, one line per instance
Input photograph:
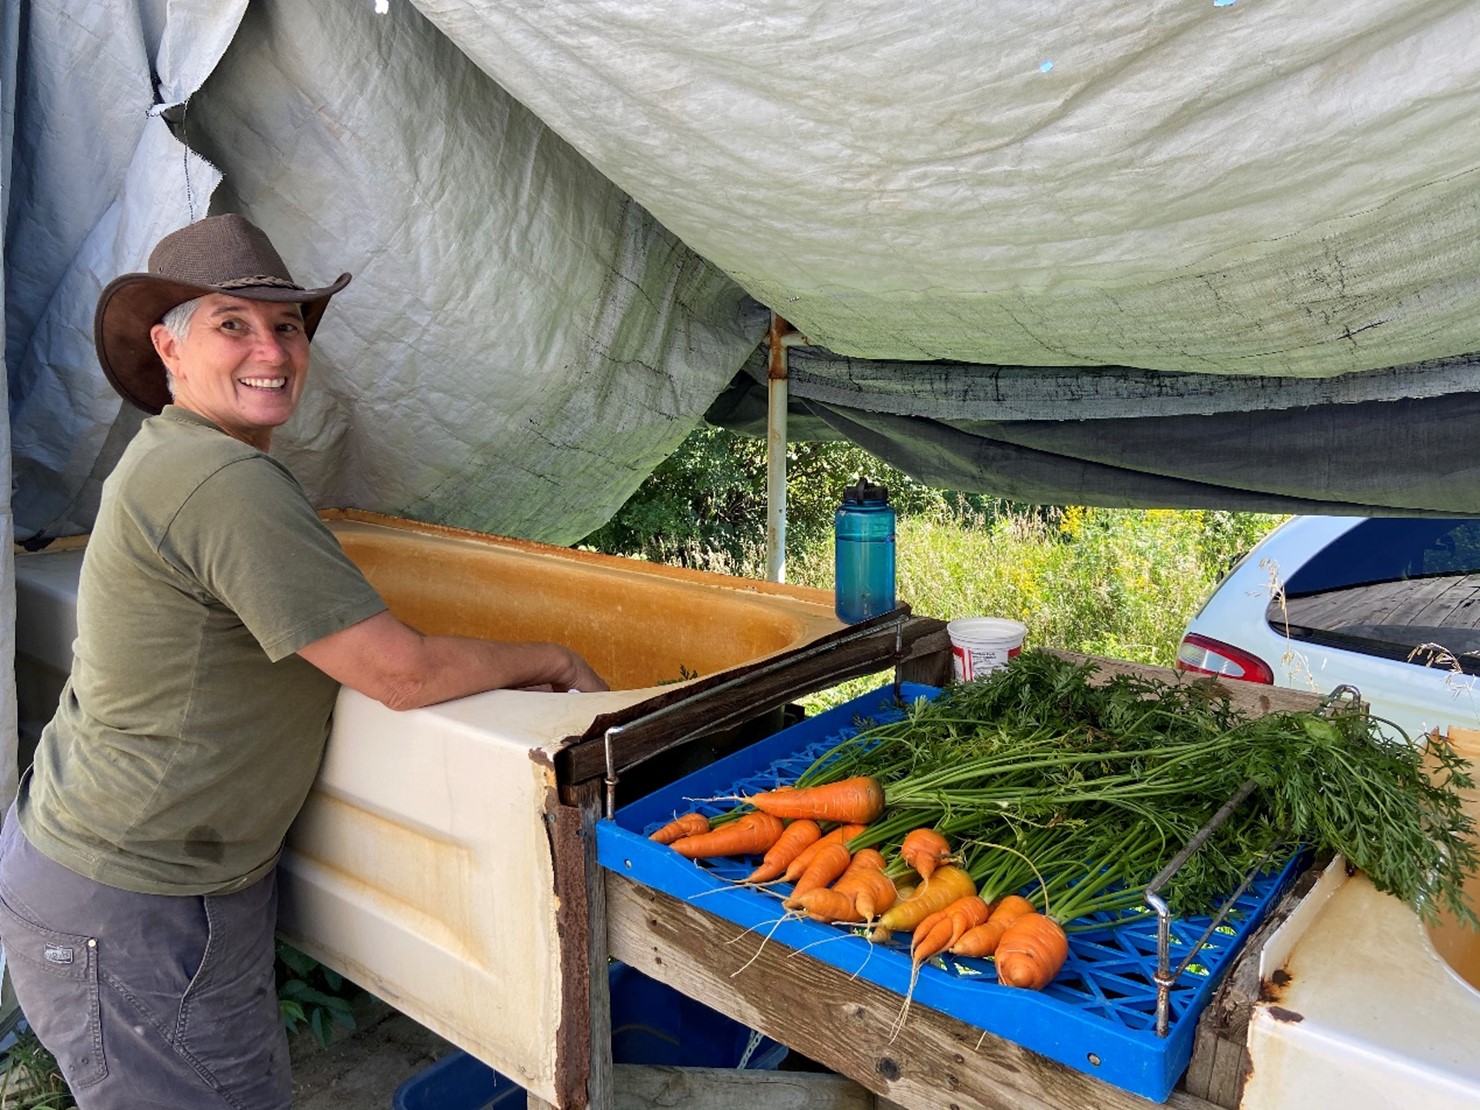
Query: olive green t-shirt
(190, 732)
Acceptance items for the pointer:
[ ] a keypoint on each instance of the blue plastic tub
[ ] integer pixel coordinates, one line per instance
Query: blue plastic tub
(651, 1024)
(458, 1082)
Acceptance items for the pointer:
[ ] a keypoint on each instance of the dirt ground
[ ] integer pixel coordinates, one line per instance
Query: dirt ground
(361, 1070)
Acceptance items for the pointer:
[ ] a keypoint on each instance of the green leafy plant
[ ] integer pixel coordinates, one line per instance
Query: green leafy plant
(312, 995)
(705, 505)
(31, 1079)
(1116, 582)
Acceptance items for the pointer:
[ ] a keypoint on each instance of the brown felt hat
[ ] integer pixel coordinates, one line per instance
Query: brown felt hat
(220, 254)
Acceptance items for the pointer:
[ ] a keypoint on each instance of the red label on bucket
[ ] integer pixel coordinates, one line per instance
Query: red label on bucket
(973, 662)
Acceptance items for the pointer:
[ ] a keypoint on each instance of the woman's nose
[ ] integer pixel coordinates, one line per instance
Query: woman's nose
(272, 348)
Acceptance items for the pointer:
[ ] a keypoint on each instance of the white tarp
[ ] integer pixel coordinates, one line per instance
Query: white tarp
(521, 345)
(1260, 186)
(544, 303)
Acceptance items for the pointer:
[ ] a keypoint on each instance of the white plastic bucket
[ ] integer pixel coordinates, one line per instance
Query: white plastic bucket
(979, 645)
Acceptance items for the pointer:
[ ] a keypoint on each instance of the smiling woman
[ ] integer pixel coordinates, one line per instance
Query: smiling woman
(216, 618)
(239, 363)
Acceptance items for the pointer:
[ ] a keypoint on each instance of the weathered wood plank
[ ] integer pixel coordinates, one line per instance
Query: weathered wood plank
(1251, 697)
(928, 660)
(583, 1061)
(599, 1091)
(843, 1023)
(641, 1087)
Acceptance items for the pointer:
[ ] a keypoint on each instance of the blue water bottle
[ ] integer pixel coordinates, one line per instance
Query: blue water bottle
(864, 553)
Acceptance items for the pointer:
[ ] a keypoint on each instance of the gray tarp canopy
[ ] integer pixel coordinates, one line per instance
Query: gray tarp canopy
(1169, 253)
(1160, 254)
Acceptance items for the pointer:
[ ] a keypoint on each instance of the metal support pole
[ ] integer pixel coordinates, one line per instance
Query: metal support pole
(780, 336)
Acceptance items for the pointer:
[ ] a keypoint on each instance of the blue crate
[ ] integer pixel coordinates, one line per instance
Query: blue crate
(1099, 1014)
(651, 1024)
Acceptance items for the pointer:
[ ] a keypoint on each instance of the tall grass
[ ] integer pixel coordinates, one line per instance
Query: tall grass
(1114, 582)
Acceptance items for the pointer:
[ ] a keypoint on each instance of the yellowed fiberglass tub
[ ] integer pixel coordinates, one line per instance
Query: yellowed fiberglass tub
(423, 864)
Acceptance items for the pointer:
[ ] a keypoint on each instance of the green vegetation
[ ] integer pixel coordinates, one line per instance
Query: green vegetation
(1038, 757)
(1116, 582)
(312, 995)
(31, 1079)
(704, 507)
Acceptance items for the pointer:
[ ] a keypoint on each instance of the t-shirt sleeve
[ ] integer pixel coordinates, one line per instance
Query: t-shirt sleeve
(252, 541)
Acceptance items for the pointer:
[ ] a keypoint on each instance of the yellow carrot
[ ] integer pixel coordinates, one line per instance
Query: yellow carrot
(945, 886)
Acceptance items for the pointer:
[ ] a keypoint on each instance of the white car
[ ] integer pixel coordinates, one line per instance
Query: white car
(1389, 605)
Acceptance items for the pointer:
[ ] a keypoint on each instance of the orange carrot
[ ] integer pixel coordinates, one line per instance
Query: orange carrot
(864, 861)
(876, 895)
(983, 939)
(750, 835)
(861, 878)
(943, 929)
(924, 849)
(949, 883)
(829, 863)
(855, 801)
(827, 904)
(798, 836)
(1031, 952)
(840, 835)
(690, 824)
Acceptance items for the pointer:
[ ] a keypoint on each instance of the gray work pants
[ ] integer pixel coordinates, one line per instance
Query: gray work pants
(156, 1001)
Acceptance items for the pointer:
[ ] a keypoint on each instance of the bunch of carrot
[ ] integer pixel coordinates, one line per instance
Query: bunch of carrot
(1040, 780)
(1046, 742)
(941, 909)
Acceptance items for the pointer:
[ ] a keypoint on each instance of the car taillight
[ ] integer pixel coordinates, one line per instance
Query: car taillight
(1205, 655)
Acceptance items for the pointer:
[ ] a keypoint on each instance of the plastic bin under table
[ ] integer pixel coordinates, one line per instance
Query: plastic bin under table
(1088, 1041)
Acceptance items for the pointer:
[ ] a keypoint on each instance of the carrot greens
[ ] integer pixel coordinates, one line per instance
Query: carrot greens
(1100, 783)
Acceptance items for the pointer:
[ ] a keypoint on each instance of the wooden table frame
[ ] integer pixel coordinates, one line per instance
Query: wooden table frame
(818, 1010)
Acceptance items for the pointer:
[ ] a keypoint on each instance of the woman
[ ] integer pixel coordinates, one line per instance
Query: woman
(217, 617)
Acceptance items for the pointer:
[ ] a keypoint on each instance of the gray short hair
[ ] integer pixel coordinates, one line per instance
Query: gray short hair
(177, 319)
(177, 322)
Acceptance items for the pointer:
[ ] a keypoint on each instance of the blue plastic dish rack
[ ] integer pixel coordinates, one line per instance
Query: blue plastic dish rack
(1099, 1014)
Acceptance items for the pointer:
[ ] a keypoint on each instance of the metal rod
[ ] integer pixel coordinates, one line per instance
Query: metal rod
(1165, 977)
(1345, 692)
(611, 771)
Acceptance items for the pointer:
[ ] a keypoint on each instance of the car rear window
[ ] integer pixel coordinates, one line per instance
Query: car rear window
(1390, 549)
(1395, 587)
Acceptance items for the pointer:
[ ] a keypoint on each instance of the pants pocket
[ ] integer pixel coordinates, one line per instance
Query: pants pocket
(55, 976)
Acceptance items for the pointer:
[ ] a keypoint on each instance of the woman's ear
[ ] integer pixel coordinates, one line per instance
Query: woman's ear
(166, 346)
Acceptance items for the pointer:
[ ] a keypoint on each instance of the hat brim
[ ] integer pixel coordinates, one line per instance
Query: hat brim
(132, 304)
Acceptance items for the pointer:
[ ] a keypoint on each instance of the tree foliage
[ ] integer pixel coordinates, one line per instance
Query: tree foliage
(705, 505)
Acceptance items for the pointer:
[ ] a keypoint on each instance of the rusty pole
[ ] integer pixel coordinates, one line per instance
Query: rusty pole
(779, 337)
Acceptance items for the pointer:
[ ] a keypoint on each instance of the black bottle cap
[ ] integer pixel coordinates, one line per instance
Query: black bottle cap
(864, 490)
